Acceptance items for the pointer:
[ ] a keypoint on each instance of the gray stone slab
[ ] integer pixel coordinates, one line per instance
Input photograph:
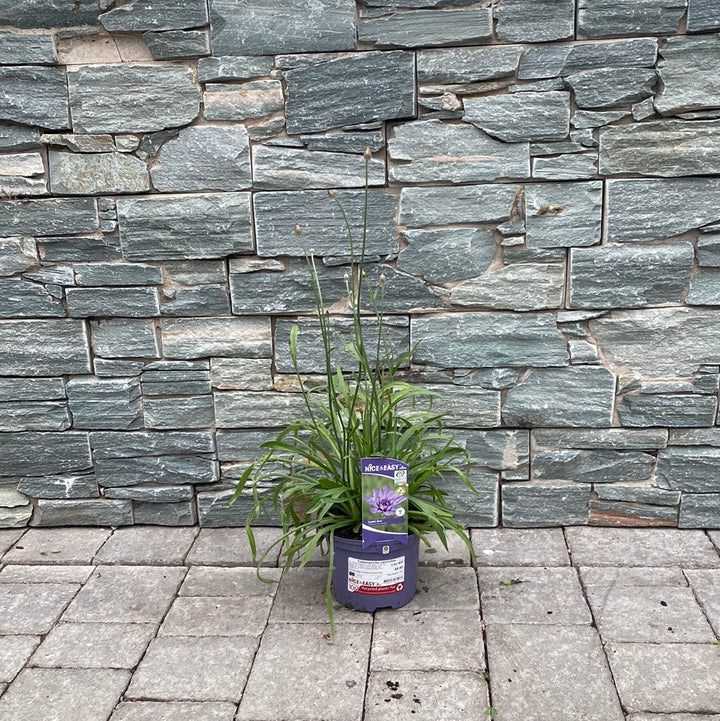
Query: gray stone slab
(230, 547)
(686, 72)
(539, 21)
(473, 340)
(97, 173)
(429, 695)
(276, 27)
(445, 589)
(515, 595)
(45, 574)
(280, 688)
(229, 67)
(649, 409)
(32, 609)
(105, 403)
(365, 87)
(174, 711)
(147, 545)
(703, 15)
(427, 641)
(227, 582)
(47, 106)
(610, 87)
(14, 652)
(90, 512)
(641, 547)
(243, 101)
(428, 28)
(706, 587)
(578, 682)
(178, 44)
(533, 505)
(178, 412)
(94, 645)
(166, 227)
(124, 337)
(700, 510)
(204, 158)
(547, 397)
(649, 614)
(684, 677)
(124, 594)
(190, 338)
(467, 65)
(126, 99)
(142, 15)
(592, 466)
(521, 117)
(55, 691)
(48, 216)
(688, 468)
(115, 444)
(217, 616)
(435, 554)
(199, 669)
(124, 302)
(520, 547)
(611, 438)
(57, 546)
(642, 17)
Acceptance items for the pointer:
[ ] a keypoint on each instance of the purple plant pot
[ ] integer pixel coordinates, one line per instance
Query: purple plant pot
(383, 575)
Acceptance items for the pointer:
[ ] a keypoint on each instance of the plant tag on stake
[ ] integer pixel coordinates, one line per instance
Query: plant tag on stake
(385, 500)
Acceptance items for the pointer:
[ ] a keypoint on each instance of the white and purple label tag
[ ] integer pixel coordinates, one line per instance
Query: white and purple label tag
(385, 500)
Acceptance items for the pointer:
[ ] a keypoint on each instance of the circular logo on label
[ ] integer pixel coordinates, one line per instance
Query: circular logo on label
(400, 512)
(400, 586)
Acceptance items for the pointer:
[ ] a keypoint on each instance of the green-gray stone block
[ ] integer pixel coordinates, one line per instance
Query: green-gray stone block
(24, 299)
(708, 250)
(19, 137)
(104, 403)
(17, 255)
(139, 15)
(679, 410)
(34, 416)
(82, 513)
(653, 209)
(691, 469)
(703, 15)
(177, 44)
(704, 288)
(351, 90)
(196, 272)
(131, 98)
(176, 378)
(124, 338)
(345, 141)
(576, 396)
(521, 117)
(472, 340)
(178, 413)
(428, 28)
(165, 514)
(638, 340)
(60, 487)
(549, 61)
(243, 101)
(467, 406)
(448, 254)
(637, 493)
(241, 445)
(188, 338)
(137, 302)
(571, 166)
(202, 300)
(17, 49)
(152, 493)
(608, 87)
(700, 511)
(248, 409)
(213, 511)
(538, 21)
(39, 454)
(499, 449)
(31, 389)
(166, 469)
(470, 204)
(278, 168)
(29, 14)
(670, 148)
(527, 505)
(241, 67)
(478, 508)
(271, 27)
(111, 274)
(467, 65)
(563, 214)
(433, 151)
(113, 444)
(167, 227)
(322, 225)
(204, 157)
(631, 513)
(620, 439)
(592, 466)
(43, 347)
(80, 249)
(607, 18)
(687, 74)
(55, 216)
(630, 276)
(97, 173)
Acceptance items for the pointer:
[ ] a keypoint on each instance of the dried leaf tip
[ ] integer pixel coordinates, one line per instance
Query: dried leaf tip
(367, 153)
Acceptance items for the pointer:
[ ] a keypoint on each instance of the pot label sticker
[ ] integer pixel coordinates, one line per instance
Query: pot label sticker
(384, 500)
(376, 578)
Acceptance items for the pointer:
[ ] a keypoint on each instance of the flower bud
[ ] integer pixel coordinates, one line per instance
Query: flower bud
(367, 153)
(382, 278)
(297, 230)
(331, 193)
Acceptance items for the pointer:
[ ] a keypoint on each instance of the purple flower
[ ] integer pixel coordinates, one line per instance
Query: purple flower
(384, 500)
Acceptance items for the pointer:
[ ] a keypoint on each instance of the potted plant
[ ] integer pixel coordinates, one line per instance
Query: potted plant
(366, 457)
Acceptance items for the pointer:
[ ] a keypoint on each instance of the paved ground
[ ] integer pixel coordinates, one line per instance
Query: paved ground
(169, 624)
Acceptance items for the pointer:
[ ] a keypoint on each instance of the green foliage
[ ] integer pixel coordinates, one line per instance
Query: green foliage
(309, 475)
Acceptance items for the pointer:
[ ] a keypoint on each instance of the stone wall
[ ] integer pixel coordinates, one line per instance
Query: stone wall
(545, 204)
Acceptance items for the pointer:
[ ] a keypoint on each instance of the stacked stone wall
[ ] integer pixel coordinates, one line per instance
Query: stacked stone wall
(544, 203)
